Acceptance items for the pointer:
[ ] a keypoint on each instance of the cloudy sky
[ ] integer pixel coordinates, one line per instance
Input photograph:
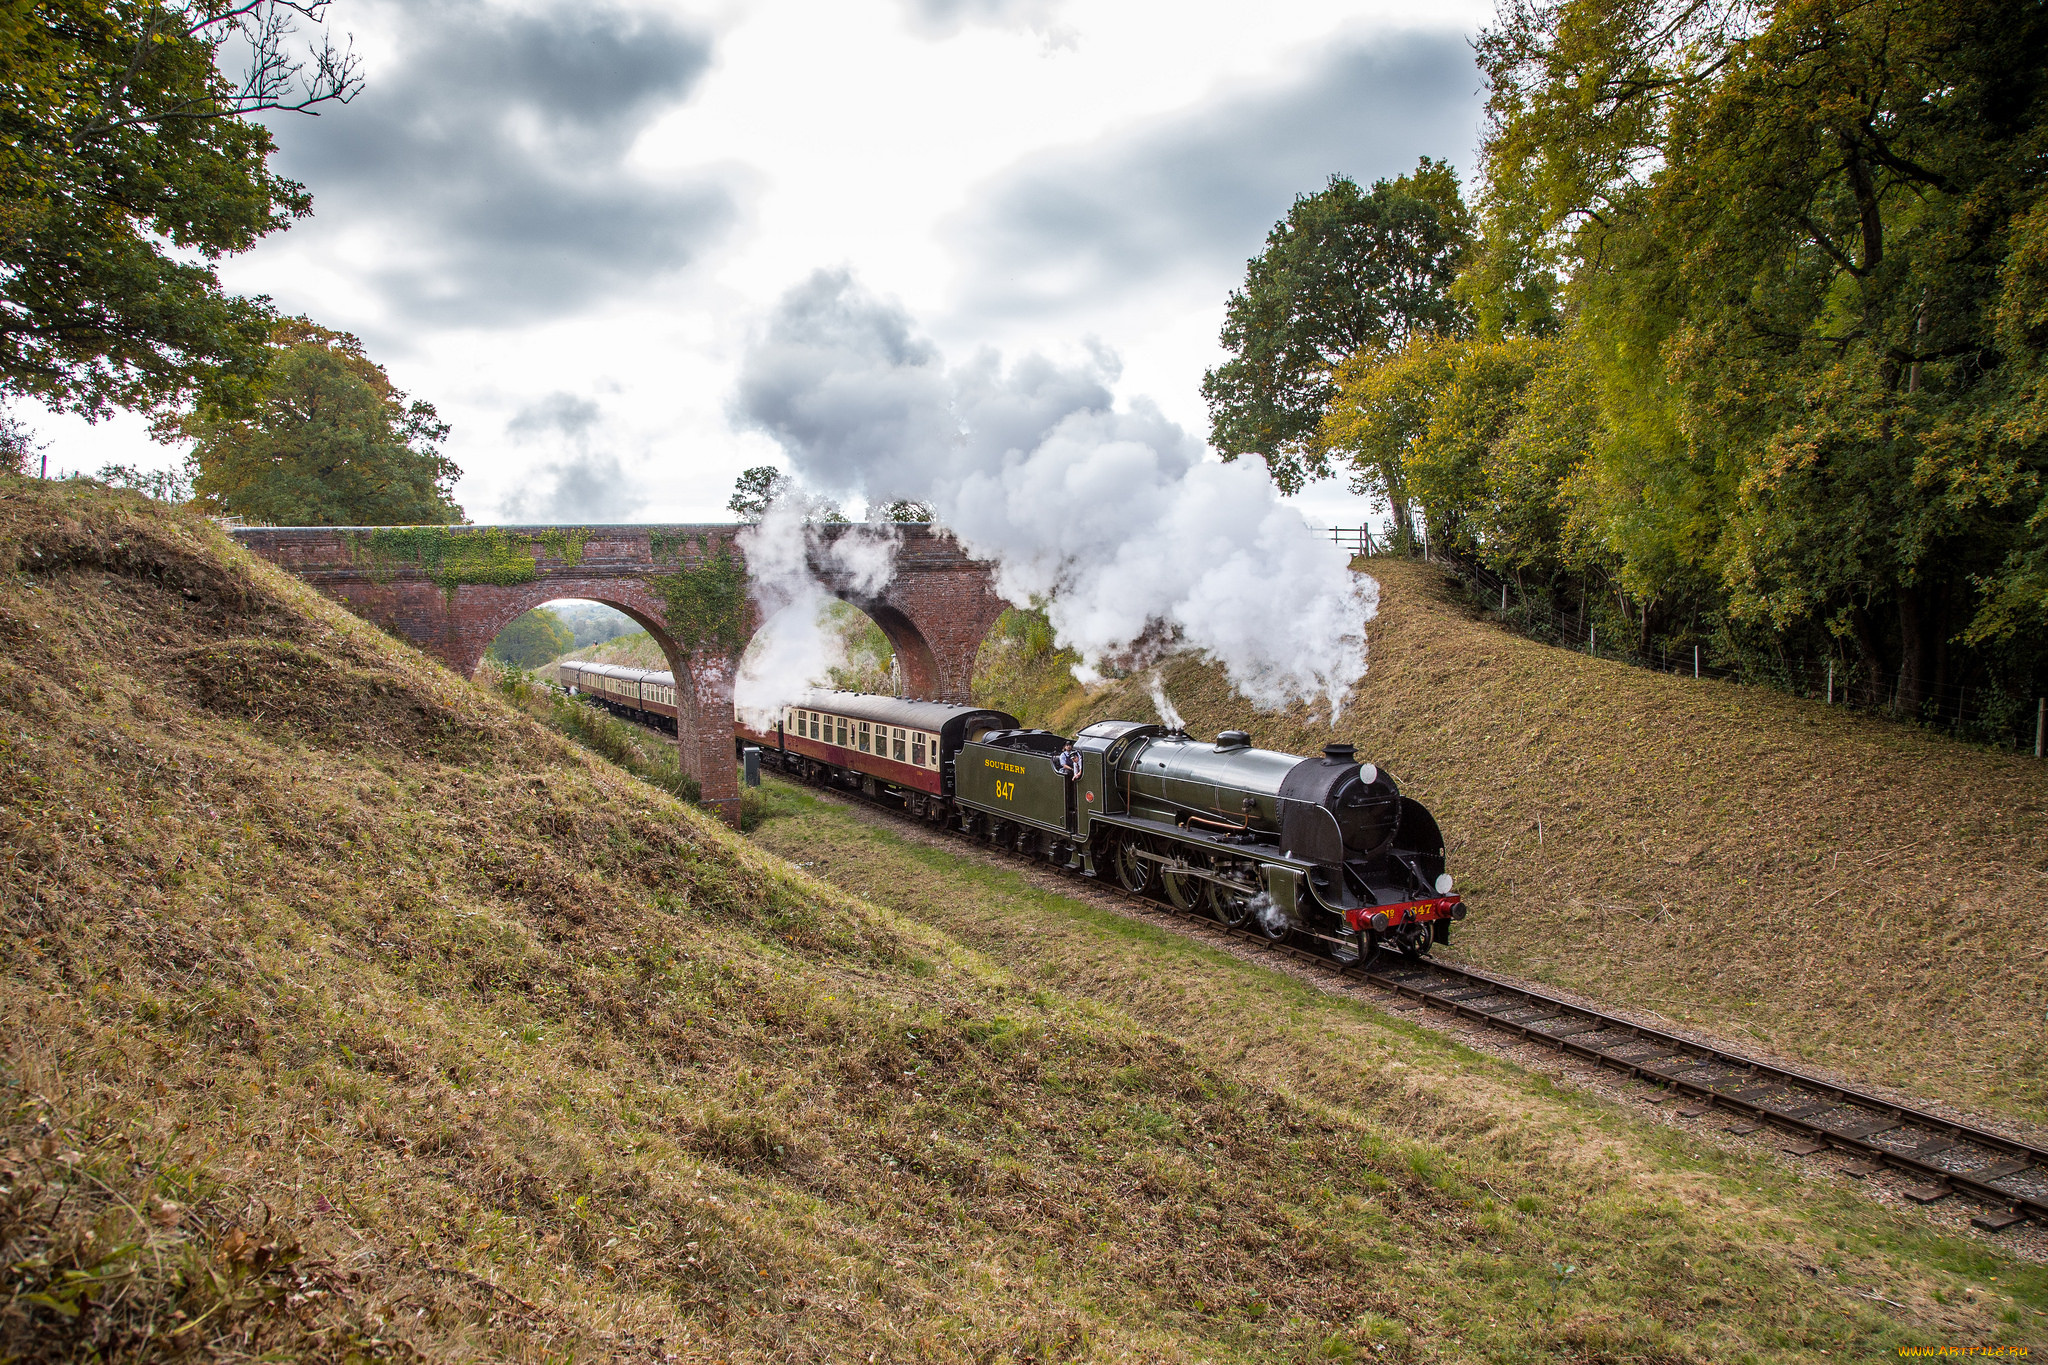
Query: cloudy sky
(562, 222)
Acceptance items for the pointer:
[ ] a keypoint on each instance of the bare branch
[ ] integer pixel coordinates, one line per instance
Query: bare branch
(276, 79)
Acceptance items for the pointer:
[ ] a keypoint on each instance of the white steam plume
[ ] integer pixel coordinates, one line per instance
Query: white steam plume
(1169, 715)
(793, 651)
(1270, 916)
(1113, 516)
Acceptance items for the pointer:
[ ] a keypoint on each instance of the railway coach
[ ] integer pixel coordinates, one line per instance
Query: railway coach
(635, 693)
(885, 746)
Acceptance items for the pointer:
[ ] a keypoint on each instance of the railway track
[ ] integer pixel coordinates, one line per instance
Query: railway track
(2009, 1178)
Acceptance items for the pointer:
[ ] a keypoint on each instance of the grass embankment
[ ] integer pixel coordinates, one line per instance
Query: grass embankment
(1861, 895)
(1566, 1210)
(652, 757)
(350, 1013)
(637, 650)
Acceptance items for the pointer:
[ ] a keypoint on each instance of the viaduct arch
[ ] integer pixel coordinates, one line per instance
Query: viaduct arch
(450, 590)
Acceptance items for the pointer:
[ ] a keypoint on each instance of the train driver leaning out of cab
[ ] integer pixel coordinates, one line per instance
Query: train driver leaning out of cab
(1068, 763)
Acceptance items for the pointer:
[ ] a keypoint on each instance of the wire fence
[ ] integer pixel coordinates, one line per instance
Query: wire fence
(1981, 714)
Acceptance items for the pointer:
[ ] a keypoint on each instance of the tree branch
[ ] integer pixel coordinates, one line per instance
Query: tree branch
(1820, 239)
(271, 82)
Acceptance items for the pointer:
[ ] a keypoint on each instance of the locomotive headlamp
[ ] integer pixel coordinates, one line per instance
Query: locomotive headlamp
(1443, 884)
(1368, 773)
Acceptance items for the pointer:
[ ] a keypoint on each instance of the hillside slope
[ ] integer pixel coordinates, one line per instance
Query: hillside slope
(348, 1014)
(636, 650)
(1856, 894)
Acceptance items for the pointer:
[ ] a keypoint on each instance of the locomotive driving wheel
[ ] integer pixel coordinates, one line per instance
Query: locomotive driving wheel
(1229, 905)
(1184, 890)
(1134, 873)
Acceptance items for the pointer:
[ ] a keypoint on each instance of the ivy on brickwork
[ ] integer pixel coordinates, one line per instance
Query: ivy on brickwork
(453, 556)
(565, 542)
(449, 555)
(706, 603)
(666, 547)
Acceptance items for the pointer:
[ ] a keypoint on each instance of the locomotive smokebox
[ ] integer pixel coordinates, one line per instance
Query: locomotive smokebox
(1342, 753)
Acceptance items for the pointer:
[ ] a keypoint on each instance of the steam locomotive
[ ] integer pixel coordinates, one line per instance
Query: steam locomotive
(1324, 851)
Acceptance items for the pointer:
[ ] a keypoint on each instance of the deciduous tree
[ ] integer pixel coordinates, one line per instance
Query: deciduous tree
(1796, 237)
(131, 165)
(324, 439)
(532, 639)
(1346, 271)
(754, 490)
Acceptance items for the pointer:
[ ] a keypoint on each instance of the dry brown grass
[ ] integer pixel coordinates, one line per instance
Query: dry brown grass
(1856, 894)
(1569, 1181)
(448, 1040)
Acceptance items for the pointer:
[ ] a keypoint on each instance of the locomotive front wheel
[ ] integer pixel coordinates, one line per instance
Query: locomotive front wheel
(1361, 950)
(1133, 873)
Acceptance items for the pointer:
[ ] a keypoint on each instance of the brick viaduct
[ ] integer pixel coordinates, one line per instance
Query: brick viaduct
(936, 610)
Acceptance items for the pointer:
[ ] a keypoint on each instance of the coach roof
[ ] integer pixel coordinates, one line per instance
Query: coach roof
(911, 715)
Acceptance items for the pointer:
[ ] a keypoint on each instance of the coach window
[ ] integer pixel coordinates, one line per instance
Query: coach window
(896, 751)
(864, 738)
(917, 750)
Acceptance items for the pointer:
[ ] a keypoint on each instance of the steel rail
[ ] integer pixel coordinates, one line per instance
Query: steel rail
(1974, 1161)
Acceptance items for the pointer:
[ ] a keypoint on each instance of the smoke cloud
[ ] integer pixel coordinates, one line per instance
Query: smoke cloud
(792, 651)
(1112, 515)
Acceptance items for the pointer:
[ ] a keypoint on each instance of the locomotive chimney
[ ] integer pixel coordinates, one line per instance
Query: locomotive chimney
(1341, 753)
